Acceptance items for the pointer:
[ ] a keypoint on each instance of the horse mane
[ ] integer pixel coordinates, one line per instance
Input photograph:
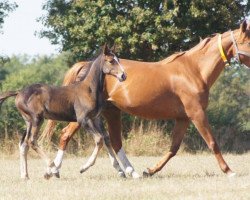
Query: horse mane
(173, 57)
(197, 47)
(201, 45)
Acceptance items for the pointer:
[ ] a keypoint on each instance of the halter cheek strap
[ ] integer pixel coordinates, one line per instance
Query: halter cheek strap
(237, 51)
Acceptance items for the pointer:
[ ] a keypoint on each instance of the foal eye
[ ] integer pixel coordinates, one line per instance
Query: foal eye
(112, 61)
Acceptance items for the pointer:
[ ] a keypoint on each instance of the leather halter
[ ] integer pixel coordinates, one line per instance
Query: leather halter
(237, 51)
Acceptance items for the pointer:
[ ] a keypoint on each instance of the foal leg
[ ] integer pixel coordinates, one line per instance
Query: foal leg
(113, 118)
(111, 153)
(67, 134)
(33, 144)
(177, 137)
(23, 149)
(98, 145)
(200, 121)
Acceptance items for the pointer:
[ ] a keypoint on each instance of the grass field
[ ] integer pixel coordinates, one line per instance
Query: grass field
(185, 177)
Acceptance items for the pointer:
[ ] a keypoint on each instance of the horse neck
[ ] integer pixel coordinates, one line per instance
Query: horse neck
(95, 78)
(208, 60)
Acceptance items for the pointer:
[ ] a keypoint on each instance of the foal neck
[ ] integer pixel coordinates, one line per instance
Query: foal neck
(95, 77)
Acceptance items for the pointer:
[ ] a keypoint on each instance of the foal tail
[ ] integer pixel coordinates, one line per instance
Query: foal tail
(6, 95)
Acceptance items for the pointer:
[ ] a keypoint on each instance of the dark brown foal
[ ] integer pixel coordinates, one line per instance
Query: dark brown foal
(81, 102)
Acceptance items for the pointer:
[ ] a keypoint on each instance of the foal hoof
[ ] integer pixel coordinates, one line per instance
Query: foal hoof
(122, 175)
(47, 176)
(57, 175)
(135, 175)
(25, 178)
(82, 170)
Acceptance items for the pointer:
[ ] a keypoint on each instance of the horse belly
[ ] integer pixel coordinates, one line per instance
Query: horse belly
(163, 107)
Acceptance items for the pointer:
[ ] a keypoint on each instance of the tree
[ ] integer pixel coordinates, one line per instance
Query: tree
(5, 8)
(142, 29)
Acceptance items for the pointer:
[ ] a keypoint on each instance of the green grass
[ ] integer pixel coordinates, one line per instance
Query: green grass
(185, 177)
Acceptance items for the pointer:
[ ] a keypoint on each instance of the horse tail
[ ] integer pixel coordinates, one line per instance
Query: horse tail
(75, 73)
(72, 74)
(6, 95)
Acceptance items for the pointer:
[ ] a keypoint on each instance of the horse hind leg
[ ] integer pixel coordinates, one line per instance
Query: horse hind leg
(177, 137)
(67, 134)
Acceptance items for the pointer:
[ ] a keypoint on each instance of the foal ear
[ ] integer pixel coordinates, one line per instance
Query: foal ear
(243, 26)
(113, 48)
(105, 49)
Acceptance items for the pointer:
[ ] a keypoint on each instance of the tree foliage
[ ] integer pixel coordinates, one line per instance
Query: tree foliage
(5, 8)
(142, 29)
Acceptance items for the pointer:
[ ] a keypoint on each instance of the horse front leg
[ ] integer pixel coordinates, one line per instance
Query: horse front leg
(67, 134)
(200, 121)
(113, 118)
(179, 131)
(98, 137)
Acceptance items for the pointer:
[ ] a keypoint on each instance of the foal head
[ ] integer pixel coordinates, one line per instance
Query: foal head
(111, 64)
(242, 44)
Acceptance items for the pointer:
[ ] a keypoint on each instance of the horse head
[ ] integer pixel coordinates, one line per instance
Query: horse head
(112, 65)
(242, 44)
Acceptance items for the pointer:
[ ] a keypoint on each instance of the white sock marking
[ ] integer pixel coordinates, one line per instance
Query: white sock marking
(126, 164)
(59, 158)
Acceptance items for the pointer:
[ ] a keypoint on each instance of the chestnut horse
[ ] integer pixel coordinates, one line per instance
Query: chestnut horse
(174, 88)
(81, 102)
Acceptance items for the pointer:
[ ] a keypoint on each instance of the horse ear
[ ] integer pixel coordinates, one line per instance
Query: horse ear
(243, 26)
(105, 49)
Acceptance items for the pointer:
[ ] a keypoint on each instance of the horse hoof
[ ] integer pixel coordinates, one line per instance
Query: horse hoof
(146, 174)
(122, 175)
(57, 175)
(47, 176)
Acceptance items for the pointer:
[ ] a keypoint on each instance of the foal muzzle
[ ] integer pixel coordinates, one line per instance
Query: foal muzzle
(122, 77)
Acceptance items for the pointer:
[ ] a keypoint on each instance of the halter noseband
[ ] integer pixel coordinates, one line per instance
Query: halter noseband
(237, 51)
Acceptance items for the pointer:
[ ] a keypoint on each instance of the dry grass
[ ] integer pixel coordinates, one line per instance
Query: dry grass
(185, 177)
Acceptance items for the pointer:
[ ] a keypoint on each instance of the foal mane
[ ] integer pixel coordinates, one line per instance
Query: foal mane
(79, 70)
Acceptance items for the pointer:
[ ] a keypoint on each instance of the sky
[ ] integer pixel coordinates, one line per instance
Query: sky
(19, 31)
